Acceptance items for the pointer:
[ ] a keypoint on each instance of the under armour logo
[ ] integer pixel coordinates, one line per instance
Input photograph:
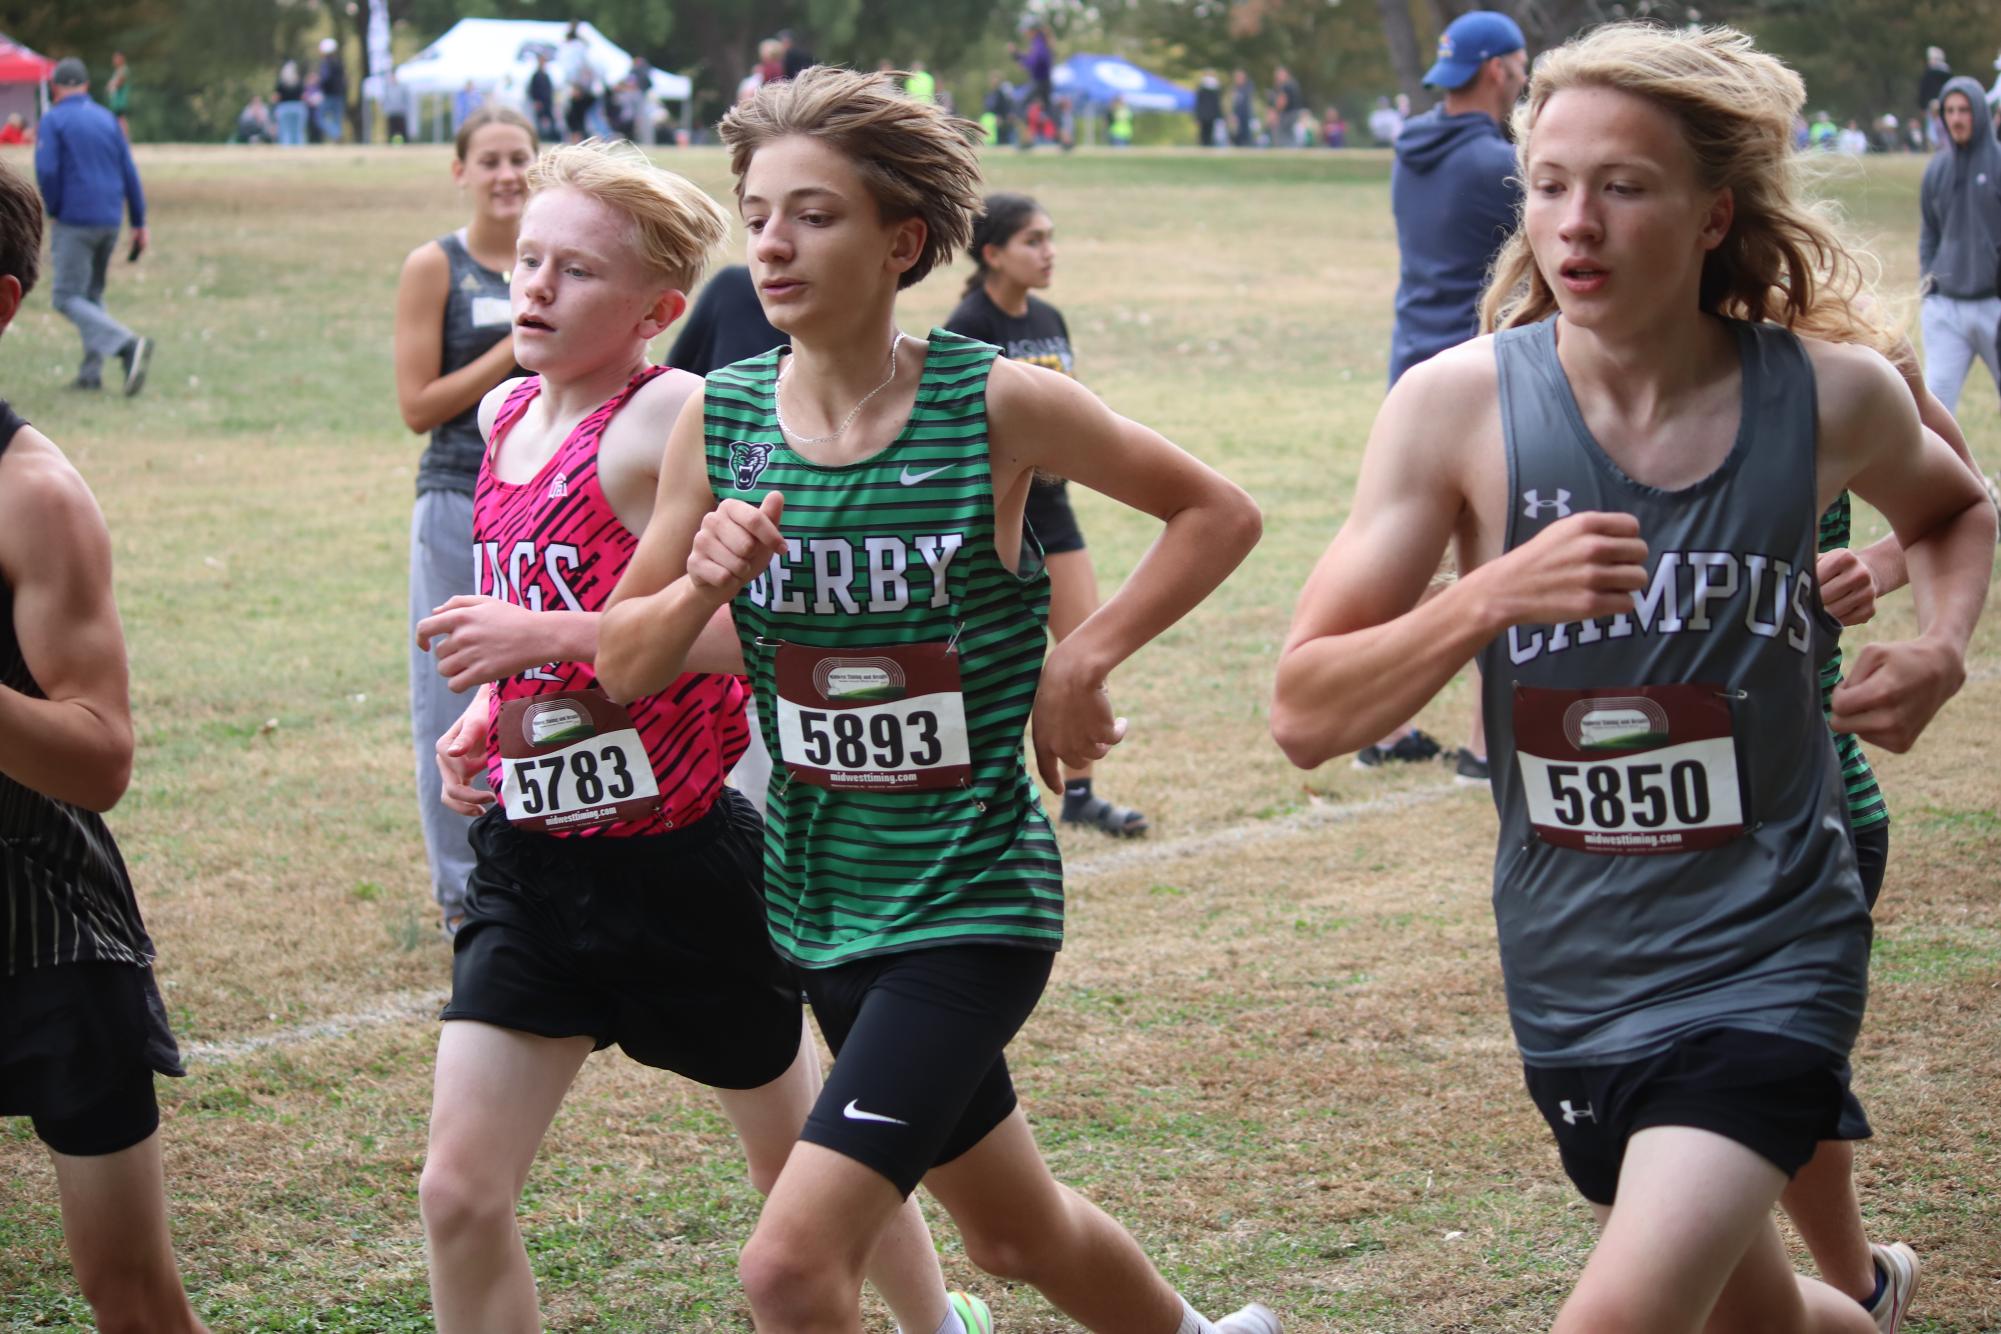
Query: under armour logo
(559, 487)
(1571, 1114)
(747, 461)
(1533, 504)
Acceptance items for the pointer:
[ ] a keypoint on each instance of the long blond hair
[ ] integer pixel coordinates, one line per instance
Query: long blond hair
(1784, 260)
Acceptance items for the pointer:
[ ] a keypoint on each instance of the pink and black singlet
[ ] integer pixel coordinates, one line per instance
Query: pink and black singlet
(552, 543)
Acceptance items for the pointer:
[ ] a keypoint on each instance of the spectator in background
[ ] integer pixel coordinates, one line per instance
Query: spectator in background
(1851, 142)
(1820, 134)
(1243, 110)
(1931, 84)
(1209, 110)
(795, 57)
(580, 82)
(1959, 245)
(920, 85)
(89, 186)
(253, 123)
(1385, 123)
(1039, 61)
(997, 112)
(542, 100)
(16, 130)
(288, 99)
(395, 100)
(333, 91)
(118, 93)
(645, 107)
(770, 61)
(465, 102)
(1286, 103)
(1334, 131)
(1889, 135)
(1455, 194)
(1119, 124)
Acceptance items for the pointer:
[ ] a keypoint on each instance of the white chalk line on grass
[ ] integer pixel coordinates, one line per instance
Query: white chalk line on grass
(408, 1005)
(395, 1009)
(405, 1006)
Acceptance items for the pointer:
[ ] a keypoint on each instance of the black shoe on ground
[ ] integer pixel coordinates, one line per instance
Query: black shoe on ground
(1106, 816)
(1470, 770)
(136, 356)
(1413, 747)
(84, 386)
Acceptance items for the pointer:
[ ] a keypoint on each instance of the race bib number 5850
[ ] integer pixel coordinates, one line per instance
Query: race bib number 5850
(1637, 769)
(887, 719)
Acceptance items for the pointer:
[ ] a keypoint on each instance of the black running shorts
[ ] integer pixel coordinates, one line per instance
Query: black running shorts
(1048, 515)
(79, 1045)
(918, 1074)
(654, 942)
(1776, 1096)
(1872, 858)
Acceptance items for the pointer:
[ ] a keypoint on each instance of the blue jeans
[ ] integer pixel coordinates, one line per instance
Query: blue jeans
(80, 258)
(333, 116)
(291, 122)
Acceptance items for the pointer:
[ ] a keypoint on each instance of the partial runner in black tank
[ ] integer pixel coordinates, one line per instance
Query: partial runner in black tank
(1632, 473)
(1014, 254)
(454, 343)
(82, 1028)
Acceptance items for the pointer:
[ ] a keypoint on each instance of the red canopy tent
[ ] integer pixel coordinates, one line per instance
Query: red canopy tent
(24, 76)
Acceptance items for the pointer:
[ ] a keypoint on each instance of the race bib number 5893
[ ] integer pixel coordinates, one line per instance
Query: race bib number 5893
(1640, 769)
(888, 719)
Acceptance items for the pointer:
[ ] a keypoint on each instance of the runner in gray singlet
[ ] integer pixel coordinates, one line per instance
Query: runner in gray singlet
(1631, 473)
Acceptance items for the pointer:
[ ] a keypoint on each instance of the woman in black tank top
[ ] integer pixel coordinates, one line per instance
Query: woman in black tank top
(454, 323)
(1014, 250)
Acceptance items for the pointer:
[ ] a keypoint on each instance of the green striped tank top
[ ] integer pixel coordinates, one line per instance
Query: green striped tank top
(897, 549)
(1866, 805)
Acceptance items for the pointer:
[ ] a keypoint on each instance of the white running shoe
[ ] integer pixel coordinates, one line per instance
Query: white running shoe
(1900, 1283)
(1256, 1318)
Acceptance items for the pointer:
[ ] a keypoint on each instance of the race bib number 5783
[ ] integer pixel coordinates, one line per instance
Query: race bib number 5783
(571, 761)
(1636, 769)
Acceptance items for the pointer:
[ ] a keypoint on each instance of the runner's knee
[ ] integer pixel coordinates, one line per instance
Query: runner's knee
(460, 1200)
(790, 1281)
(1022, 1247)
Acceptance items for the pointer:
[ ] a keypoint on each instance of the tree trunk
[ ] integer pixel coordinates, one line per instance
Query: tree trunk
(1400, 34)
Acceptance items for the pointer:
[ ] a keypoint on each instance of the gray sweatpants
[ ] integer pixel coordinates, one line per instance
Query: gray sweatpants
(79, 259)
(440, 568)
(1956, 332)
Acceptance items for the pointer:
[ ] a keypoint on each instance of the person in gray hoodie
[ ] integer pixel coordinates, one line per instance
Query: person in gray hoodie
(1959, 245)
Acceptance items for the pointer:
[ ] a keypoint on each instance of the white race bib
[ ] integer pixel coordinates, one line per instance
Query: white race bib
(873, 720)
(1629, 770)
(571, 761)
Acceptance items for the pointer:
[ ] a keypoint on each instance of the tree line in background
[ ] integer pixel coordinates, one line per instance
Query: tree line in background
(197, 61)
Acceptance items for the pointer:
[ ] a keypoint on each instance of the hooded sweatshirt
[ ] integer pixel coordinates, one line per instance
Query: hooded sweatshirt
(1454, 193)
(1959, 239)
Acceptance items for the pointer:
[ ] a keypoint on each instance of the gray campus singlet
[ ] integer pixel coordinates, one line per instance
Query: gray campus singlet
(478, 314)
(1672, 854)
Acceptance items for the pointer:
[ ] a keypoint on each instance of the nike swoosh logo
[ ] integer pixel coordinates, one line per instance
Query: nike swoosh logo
(913, 478)
(854, 1113)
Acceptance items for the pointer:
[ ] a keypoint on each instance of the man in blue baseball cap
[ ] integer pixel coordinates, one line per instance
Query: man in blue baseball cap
(1453, 192)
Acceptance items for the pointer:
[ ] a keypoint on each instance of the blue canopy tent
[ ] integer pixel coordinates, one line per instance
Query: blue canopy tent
(1093, 81)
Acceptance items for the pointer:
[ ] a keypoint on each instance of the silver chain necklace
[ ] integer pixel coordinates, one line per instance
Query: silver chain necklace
(846, 421)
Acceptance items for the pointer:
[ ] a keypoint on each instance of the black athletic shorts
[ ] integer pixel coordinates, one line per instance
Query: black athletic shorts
(1048, 515)
(79, 1044)
(1872, 858)
(1776, 1096)
(918, 1074)
(655, 942)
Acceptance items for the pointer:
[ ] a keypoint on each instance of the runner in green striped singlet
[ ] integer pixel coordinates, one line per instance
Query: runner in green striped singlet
(1821, 1198)
(843, 520)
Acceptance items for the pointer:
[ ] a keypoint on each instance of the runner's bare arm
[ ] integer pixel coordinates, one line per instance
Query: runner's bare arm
(76, 743)
(1038, 418)
(1367, 649)
(1873, 444)
(658, 622)
(1884, 558)
(425, 397)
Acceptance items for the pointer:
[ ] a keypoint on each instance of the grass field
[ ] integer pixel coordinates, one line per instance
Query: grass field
(1275, 1045)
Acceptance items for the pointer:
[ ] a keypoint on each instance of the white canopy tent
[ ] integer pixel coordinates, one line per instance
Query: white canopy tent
(497, 56)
